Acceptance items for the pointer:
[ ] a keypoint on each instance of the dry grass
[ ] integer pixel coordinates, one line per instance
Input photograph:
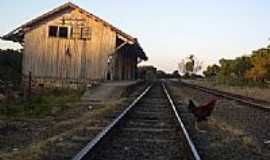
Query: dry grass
(56, 131)
(233, 131)
(40, 106)
(256, 92)
(69, 129)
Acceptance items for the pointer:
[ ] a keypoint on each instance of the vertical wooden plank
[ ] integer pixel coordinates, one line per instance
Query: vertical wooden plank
(47, 57)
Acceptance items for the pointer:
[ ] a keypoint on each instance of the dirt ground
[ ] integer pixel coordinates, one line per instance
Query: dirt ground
(58, 136)
(234, 131)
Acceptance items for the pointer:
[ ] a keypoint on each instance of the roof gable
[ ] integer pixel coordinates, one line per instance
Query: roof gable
(17, 34)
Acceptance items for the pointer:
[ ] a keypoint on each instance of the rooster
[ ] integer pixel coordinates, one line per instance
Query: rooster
(203, 111)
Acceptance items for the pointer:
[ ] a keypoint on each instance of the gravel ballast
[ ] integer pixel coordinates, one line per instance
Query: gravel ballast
(234, 131)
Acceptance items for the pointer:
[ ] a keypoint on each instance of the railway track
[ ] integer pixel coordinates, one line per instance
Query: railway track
(150, 128)
(262, 104)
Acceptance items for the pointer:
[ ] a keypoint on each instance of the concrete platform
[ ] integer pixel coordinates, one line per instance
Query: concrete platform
(109, 90)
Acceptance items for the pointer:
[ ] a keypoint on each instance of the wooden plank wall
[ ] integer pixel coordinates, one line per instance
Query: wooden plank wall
(46, 57)
(125, 64)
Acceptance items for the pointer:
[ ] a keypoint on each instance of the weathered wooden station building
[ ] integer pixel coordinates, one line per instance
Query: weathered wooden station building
(69, 44)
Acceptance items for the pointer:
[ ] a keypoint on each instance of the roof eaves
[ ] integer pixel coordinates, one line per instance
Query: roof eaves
(71, 5)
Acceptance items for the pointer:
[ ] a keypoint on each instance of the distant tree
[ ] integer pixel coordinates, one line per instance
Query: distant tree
(226, 69)
(11, 66)
(260, 70)
(212, 71)
(241, 66)
(161, 74)
(233, 71)
(147, 72)
(182, 67)
(196, 76)
(186, 76)
(243, 70)
(175, 74)
(190, 65)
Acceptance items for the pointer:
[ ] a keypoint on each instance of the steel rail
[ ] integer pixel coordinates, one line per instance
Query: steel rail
(239, 98)
(190, 143)
(90, 146)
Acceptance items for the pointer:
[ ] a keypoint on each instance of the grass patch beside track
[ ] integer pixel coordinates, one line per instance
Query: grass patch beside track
(39, 106)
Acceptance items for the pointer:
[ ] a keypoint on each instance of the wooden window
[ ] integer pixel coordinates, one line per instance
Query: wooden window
(63, 32)
(53, 31)
(85, 33)
(60, 31)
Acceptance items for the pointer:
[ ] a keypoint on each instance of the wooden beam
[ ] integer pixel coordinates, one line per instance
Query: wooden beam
(120, 46)
(124, 39)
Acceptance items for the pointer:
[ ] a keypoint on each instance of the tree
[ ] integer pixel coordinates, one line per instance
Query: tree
(241, 66)
(161, 74)
(260, 60)
(190, 65)
(182, 67)
(244, 69)
(212, 71)
(175, 74)
(226, 69)
(11, 66)
(234, 71)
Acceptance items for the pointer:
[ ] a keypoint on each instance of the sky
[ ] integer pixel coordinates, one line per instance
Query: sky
(167, 30)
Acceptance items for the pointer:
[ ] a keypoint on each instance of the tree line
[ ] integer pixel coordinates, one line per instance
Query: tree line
(247, 69)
